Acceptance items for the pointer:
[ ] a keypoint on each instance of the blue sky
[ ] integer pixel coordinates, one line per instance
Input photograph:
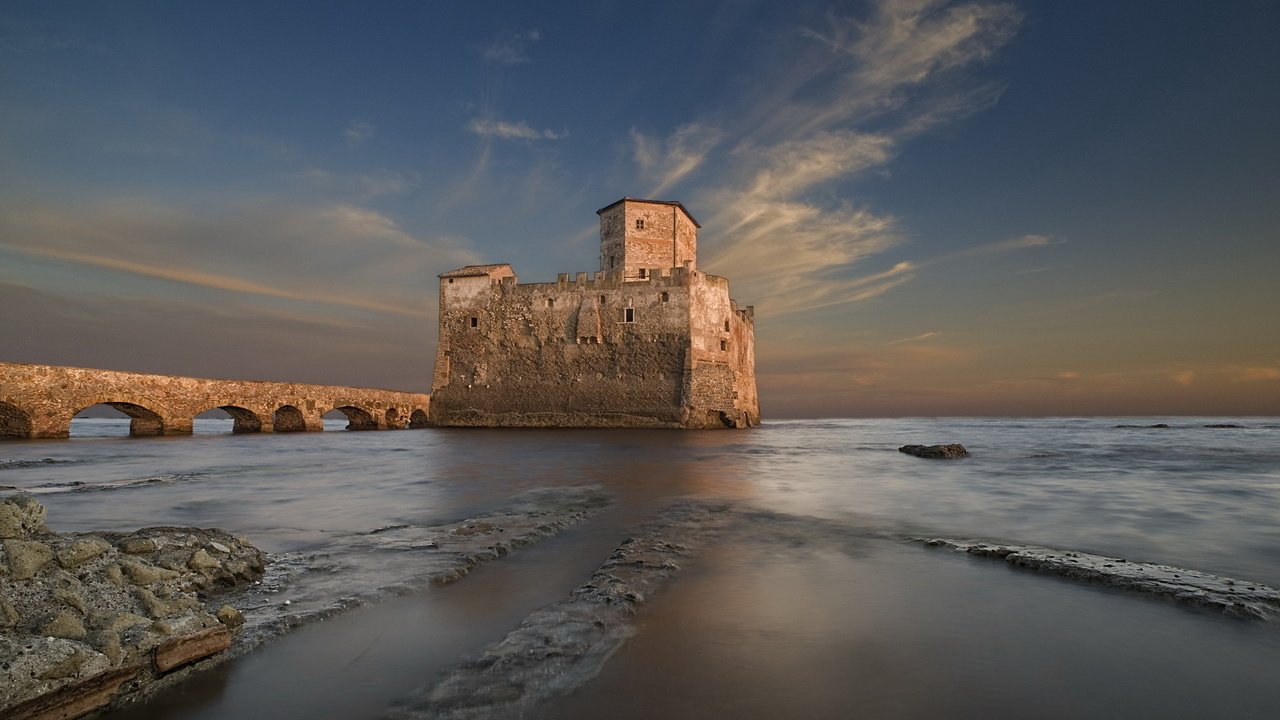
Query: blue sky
(937, 208)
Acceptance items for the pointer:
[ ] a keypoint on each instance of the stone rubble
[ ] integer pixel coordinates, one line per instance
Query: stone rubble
(86, 618)
(1238, 598)
(940, 452)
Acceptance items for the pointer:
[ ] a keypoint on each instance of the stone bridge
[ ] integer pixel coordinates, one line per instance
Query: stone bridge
(38, 401)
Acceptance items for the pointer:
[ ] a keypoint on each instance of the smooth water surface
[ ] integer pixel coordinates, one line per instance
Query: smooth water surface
(879, 628)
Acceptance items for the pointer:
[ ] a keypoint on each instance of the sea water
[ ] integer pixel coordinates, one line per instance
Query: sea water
(872, 626)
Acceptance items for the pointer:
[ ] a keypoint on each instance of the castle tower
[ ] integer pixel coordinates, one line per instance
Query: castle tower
(639, 236)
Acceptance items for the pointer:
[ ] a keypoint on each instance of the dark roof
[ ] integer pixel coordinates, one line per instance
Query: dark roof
(676, 203)
(475, 270)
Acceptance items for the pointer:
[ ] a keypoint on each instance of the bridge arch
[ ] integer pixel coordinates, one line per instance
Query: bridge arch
(14, 421)
(243, 419)
(358, 418)
(288, 418)
(418, 419)
(393, 419)
(142, 420)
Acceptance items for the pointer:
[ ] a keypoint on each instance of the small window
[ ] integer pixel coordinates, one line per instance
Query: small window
(551, 302)
(629, 315)
(724, 344)
(613, 262)
(639, 223)
(726, 326)
(450, 281)
(666, 297)
(602, 299)
(644, 273)
(475, 322)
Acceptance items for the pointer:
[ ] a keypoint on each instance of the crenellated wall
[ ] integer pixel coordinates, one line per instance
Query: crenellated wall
(39, 401)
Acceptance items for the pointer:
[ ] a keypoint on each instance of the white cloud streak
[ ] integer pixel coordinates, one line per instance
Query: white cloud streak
(512, 130)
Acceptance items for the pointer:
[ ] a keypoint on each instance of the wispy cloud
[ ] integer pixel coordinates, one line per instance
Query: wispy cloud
(859, 88)
(914, 338)
(511, 49)
(1256, 374)
(512, 130)
(358, 132)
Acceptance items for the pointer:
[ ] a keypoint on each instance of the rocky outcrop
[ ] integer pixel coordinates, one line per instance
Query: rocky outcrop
(1240, 598)
(86, 617)
(943, 452)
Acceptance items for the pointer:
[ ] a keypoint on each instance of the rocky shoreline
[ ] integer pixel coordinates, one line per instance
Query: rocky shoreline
(91, 617)
(90, 620)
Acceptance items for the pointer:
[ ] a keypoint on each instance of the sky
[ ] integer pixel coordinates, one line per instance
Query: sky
(937, 208)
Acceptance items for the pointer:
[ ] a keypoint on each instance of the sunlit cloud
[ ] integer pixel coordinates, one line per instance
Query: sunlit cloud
(512, 130)
(1185, 378)
(665, 163)
(1256, 374)
(913, 338)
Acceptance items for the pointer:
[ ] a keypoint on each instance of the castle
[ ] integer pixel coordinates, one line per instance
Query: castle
(648, 341)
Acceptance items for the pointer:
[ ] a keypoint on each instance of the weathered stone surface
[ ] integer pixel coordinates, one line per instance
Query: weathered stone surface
(179, 651)
(26, 557)
(1240, 598)
(229, 616)
(20, 516)
(942, 452)
(649, 341)
(38, 401)
(137, 545)
(82, 551)
(77, 617)
(64, 625)
(201, 560)
(74, 700)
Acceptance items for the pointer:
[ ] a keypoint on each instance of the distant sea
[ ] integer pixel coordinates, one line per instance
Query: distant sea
(871, 627)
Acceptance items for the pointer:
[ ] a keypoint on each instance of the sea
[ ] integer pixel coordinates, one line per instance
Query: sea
(872, 626)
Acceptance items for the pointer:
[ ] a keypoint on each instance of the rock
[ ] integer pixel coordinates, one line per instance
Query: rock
(70, 599)
(230, 616)
(142, 573)
(954, 450)
(137, 545)
(67, 667)
(76, 699)
(82, 551)
(65, 624)
(26, 557)
(179, 651)
(201, 560)
(219, 547)
(1224, 426)
(20, 516)
(8, 614)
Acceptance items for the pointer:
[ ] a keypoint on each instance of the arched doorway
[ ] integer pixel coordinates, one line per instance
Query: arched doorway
(357, 418)
(288, 418)
(14, 423)
(418, 419)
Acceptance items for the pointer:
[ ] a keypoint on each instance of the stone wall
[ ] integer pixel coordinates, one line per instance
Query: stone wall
(39, 401)
(594, 351)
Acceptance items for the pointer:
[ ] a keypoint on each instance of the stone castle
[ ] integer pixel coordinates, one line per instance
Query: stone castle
(648, 341)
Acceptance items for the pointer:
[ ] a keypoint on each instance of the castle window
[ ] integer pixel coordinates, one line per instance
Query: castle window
(644, 273)
(450, 281)
(724, 344)
(551, 302)
(726, 326)
(613, 262)
(629, 315)
(639, 223)
(602, 298)
(666, 297)
(475, 322)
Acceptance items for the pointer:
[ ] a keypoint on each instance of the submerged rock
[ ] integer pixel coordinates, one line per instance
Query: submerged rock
(81, 618)
(1189, 587)
(944, 452)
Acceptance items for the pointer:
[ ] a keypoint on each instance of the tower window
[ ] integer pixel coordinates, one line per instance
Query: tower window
(644, 273)
(639, 223)
(629, 315)
(666, 297)
(602, 299)
(450, 281)
(475, 322)
(551, 302)
(724, 344)
(726, 326)
(613, 262)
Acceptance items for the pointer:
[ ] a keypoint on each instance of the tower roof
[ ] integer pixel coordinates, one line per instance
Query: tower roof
(476, 270)
(676, 203)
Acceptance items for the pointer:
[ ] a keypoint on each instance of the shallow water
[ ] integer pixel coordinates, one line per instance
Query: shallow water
(751, 629)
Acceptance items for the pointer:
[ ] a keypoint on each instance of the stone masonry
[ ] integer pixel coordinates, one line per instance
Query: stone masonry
(38, 401)
(648, 341)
